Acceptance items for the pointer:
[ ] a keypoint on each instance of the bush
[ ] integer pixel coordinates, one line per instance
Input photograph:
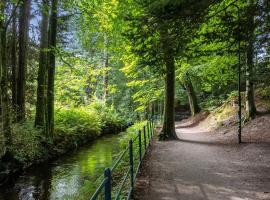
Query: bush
(73, 126)
(132, 132)
(264, 93)
(213, 102)
(111, 119)
(95, 118)
(77, 121)
(27, 143)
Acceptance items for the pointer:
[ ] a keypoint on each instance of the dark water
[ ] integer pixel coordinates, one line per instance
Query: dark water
(73, 177)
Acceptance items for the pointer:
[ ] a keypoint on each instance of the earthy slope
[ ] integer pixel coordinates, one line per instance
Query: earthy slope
(207, 163)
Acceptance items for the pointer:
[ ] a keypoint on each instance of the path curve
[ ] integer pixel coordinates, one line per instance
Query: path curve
(204, 166)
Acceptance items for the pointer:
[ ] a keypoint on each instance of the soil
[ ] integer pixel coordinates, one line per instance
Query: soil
(208, 165)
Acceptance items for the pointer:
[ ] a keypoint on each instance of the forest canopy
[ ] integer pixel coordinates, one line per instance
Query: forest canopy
(93, 66)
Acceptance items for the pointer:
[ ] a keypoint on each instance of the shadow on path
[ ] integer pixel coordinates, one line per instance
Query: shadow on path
(202, 166)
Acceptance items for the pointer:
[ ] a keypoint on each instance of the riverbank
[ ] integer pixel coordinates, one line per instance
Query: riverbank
(75, 175)
(74, 127)
(11, 168)
(72, 176)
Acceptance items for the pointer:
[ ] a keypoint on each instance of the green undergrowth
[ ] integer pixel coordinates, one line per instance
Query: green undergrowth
(225, 113)
(132, 133)
(74, 126)
(264, 95)
(120, 172)
(123, 167)
(27, 143)
(212, 103)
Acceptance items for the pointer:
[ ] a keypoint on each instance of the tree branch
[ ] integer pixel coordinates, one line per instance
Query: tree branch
(12, 14)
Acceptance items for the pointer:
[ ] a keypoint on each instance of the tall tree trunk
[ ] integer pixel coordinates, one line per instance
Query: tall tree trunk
(5, 113)
(250, 102)
(106, 77)
(22, 65)
(192, 98)
(14, 61)
(106, 68)
(51, 66)
(2, 142)
(168, 131)
(42, 70)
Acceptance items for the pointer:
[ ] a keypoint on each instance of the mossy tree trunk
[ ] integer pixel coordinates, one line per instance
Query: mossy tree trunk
(14, 61)
(192, 98)
(5, 108)
(51, 66)
(106, 68)
(24, 21)
(250, 101)
(168, 131)
(40, 119)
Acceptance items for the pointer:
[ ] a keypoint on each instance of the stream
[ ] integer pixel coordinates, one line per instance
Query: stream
(72, 177)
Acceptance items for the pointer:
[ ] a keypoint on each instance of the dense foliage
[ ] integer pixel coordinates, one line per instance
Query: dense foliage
(72, 70)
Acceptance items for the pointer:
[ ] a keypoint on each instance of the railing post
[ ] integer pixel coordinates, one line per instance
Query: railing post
(140, 145)
(131, 166)
(108, 188)
(144, 135)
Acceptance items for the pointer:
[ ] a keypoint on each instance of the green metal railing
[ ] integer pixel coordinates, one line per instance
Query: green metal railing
(130, 159)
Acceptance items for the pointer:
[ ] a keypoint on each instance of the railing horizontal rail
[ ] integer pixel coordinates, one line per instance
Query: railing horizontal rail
(122, 185)
(129, 194)
(119, 159)
(98, 190)
(135, 152)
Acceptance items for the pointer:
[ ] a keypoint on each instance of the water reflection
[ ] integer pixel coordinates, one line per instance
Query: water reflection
(72, 177)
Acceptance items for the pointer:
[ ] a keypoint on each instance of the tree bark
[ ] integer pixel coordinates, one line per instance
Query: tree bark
(14, 61)
(250, 101)
(42, 70)
(192, 98)
(106, 77)
(22, 65)
(106, 66)
(51, 66)
(168, 131)
(5, 112)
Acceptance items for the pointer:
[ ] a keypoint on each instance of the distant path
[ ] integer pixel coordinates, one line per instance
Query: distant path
(204, 167)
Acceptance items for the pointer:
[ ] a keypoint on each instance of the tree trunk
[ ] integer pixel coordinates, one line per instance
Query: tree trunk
(168, 131)
(106, 77)
(14, 62)
(42, 70)
(192, 98)
(5, 113)
(250, 102)
(23, 42)
(51, 66)
(106, 66)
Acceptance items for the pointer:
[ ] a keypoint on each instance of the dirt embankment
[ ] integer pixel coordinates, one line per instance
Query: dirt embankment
(223, 122)
(207, 163)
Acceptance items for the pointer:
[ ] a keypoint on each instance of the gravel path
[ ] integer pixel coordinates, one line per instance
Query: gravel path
(204, 166)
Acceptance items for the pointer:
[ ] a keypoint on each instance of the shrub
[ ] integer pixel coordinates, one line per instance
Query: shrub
(72, 126)
(264, 93)
(27, 143)
(111, 119)
(77, 121)
(132, 132)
